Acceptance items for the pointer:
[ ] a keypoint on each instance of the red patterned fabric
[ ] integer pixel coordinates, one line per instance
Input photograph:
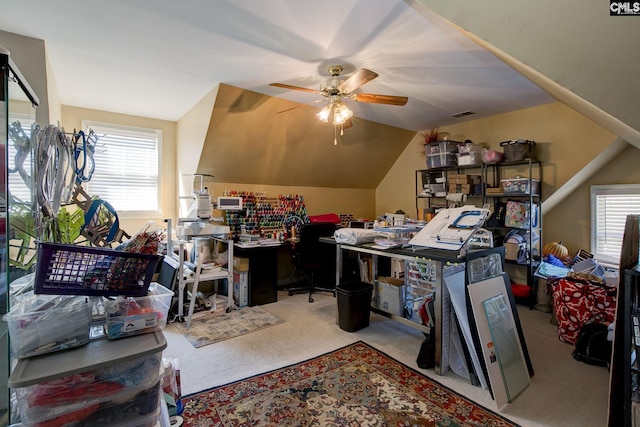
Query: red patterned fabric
(577, 302)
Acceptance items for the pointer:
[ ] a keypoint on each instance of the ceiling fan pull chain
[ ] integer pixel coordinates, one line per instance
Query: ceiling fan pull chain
(335, 135)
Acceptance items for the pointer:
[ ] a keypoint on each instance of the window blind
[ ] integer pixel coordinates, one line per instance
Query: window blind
(610, 206)
(18, 188)
(126, 167)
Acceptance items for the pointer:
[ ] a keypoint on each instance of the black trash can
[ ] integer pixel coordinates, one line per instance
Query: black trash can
(354, 304)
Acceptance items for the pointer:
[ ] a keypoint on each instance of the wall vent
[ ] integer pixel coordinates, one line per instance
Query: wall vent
(464, 113)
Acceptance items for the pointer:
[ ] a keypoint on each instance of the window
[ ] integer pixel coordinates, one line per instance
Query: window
(126, 168)
(19, 163)
(610, 205)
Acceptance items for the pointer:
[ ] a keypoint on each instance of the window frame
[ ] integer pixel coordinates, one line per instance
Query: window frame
(98, 127)
(600, 190)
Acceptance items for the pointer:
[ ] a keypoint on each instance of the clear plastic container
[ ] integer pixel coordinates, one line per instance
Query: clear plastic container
(42, 324)
(441, 160)
(107, 396)
(520, 185)
(469, 158)
(127, 316)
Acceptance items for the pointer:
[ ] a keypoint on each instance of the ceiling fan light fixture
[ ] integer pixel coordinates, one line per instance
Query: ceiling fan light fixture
(324, 113)
(341, 113)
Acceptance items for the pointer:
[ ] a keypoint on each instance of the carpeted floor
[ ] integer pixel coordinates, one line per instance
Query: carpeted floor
(356, 385)
(560, 382)
(218, 327)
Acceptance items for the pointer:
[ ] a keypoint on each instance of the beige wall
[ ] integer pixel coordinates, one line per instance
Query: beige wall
(192, 130)
(318, 200)
(72, 119)
(566, 142)
(29, 55)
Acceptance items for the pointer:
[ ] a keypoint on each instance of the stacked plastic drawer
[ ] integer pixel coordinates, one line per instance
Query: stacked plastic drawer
(91, 386)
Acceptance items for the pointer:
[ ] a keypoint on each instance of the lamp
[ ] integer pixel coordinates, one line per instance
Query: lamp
(324, 113)
(341, 113)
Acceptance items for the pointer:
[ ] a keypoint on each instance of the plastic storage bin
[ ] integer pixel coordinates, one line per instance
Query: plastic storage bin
(42, 324)
(469, 158)
(441, 160)
(104, 383)
(354, 305)
(127, 316)
(442, 147)
(520, 186)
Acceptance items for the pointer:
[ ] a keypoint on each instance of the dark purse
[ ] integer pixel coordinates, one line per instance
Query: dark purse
(497, 217)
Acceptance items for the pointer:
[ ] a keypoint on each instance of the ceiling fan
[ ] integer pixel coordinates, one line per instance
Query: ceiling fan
(336, 90)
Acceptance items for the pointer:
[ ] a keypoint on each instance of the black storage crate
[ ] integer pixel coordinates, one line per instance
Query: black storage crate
(517, 150)
(83, 270)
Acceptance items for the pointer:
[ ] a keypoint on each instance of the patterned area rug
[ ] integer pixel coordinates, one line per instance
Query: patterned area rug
(218, 327)
(353, 386)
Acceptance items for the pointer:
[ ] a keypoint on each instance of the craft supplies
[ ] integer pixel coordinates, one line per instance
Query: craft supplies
(41, 324)
(127, 316)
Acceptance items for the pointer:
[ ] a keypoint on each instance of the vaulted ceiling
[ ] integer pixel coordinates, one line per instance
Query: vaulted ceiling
(157, 58)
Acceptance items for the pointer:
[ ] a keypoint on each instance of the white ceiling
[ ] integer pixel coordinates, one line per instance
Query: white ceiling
(158, 58)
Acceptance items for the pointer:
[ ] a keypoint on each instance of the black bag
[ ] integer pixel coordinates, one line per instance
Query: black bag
(497, 217)
(592, 345)
(427, 355)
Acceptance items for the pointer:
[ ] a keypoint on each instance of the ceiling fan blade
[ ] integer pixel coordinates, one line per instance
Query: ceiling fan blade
(347, 124)
(289, 109)
(284, 86)
(359, 78)
(308, 104)
(381, 99)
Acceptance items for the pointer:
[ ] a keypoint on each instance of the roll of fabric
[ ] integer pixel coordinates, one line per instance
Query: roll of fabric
(355, 236)
(188, 273)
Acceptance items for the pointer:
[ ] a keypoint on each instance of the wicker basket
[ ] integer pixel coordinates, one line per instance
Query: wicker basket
(83, 270)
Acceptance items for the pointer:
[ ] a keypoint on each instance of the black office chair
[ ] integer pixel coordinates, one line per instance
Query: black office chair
(314, 259)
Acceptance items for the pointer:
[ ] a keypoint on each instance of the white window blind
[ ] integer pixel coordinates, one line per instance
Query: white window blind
(610, 205)
(126, 167)
(18, 188)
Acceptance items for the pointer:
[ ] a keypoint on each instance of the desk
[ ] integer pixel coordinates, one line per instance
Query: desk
(263, 271)
(443, 263)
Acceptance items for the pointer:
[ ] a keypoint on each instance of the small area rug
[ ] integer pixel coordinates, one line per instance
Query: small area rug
(354, 386)
(218, 327)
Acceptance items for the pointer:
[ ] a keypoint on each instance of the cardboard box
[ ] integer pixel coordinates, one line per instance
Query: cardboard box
(460, 188)
(240, 264)
(241, 288)
(494, 190)
(390, 295)
(465, 180)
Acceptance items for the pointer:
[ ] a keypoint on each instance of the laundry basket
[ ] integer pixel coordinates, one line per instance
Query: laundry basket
(83, 270)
